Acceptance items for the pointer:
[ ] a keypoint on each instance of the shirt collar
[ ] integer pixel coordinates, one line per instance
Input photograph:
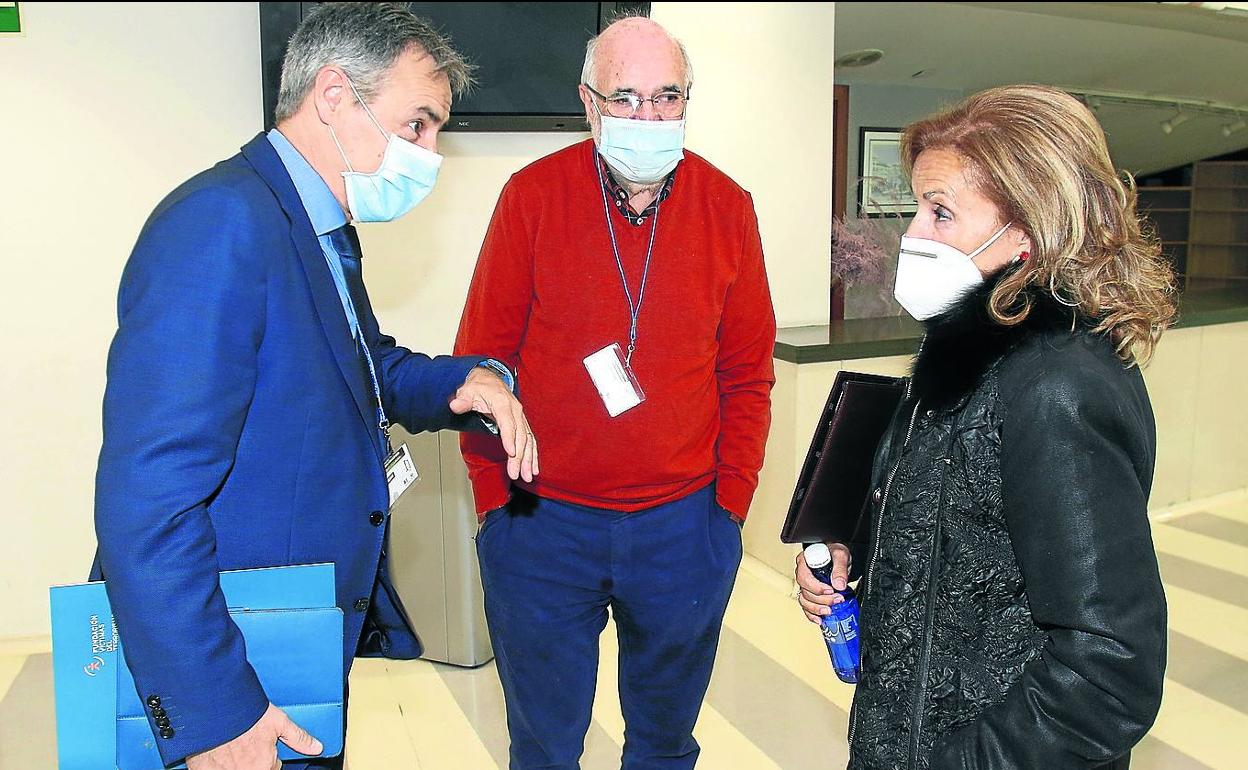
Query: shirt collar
(619, 196)
(323, 209)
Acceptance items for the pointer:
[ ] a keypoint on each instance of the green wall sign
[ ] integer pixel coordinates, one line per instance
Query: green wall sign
(10, 21)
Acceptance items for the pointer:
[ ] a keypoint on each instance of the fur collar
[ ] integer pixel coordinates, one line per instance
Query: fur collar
(964, 343)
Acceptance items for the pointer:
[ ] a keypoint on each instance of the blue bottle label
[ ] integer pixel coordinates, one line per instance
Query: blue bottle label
(840, 631)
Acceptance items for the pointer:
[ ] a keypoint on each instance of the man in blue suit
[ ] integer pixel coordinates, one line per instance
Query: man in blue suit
(250, 390)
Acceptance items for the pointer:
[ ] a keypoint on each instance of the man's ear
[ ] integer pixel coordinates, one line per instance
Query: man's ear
(331, 94)
(591, 112)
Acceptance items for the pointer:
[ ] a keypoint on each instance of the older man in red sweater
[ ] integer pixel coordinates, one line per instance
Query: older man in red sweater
(622, 278)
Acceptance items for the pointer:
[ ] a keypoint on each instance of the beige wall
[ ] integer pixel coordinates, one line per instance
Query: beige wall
(761, 110)
(418, 268)
(1196, 382)
(108, 107)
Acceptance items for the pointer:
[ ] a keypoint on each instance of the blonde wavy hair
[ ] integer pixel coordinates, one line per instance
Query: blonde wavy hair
(1039, 154)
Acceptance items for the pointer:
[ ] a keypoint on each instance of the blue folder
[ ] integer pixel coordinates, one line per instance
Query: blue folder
(293, 632)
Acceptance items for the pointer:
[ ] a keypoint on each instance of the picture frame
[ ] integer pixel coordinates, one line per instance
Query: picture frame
(883, 189)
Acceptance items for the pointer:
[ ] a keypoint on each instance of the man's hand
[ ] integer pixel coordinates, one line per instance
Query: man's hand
(813, 594)
(256, 749)
(485, 392)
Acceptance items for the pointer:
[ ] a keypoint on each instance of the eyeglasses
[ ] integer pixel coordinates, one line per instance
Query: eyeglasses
(669, 105)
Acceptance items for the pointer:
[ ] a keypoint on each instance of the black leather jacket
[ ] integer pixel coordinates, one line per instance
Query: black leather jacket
(1012, 611)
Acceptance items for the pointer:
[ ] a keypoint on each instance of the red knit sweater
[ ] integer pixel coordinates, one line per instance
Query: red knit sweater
(547, 293)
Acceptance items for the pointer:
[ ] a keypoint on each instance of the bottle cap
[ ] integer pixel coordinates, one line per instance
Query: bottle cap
(817, 556)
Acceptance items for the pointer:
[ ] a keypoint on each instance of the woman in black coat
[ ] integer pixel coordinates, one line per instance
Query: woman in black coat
(1012, 612)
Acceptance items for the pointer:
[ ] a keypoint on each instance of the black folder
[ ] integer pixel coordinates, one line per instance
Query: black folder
(831, 493)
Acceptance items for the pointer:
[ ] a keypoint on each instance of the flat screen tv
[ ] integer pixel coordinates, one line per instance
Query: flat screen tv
(528, 55)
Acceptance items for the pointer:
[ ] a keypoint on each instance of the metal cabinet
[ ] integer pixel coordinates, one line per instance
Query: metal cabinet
(433, 557)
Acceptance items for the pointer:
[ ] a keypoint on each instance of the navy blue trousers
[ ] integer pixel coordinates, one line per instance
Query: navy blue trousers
(551, 571)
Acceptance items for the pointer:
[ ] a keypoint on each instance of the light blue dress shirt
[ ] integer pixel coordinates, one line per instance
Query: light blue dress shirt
(324, 212)
(326, 215)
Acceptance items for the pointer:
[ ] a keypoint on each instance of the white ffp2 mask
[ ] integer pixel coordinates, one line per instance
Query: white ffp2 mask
(932, 276)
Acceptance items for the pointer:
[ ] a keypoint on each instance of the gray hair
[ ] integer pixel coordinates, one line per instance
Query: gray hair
(589, 71)
(364, 39)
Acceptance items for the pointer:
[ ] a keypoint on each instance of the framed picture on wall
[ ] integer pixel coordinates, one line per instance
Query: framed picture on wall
(884, 189)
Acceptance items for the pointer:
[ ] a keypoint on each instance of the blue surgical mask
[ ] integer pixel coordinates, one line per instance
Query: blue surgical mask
(641, 151)
(405, 177)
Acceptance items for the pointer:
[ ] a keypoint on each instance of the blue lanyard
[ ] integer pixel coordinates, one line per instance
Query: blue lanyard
(357, 334)
(634, 310)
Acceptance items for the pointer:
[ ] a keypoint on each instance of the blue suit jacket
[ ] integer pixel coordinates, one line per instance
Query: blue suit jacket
(239, 431)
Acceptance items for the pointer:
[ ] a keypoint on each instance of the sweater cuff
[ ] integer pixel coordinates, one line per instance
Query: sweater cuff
(734, 494)
(491, 489)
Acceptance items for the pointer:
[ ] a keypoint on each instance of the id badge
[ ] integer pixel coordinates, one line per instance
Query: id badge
(614, 379)
(400, 472)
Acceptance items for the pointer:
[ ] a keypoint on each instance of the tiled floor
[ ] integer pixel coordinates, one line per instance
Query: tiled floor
(773, 696)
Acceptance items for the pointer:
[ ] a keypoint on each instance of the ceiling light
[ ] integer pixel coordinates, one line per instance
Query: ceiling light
(1231, 128)
(859, 58)
(1179, 118)
(1226, 8)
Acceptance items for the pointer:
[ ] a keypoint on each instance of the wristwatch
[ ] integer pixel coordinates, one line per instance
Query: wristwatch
(499, 368)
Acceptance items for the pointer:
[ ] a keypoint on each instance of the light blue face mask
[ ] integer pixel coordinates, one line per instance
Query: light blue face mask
(405, 177)
(641, 151)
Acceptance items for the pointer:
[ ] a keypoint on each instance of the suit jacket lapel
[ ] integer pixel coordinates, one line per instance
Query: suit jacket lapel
(329, 310)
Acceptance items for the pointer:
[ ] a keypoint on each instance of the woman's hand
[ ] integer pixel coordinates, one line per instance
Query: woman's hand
(814, 595)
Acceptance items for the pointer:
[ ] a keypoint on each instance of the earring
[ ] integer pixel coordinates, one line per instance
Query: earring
(1026, 255)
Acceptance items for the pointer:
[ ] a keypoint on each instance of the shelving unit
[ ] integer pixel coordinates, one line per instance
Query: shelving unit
(1169, 208)
(1202, 223)
(1218, 234)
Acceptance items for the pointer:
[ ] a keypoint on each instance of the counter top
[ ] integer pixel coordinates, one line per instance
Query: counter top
(1199, 305)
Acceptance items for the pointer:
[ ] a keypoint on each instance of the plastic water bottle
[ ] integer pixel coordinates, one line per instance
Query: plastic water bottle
(840, 628)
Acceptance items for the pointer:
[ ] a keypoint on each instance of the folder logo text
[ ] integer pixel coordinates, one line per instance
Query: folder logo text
(101, 642)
